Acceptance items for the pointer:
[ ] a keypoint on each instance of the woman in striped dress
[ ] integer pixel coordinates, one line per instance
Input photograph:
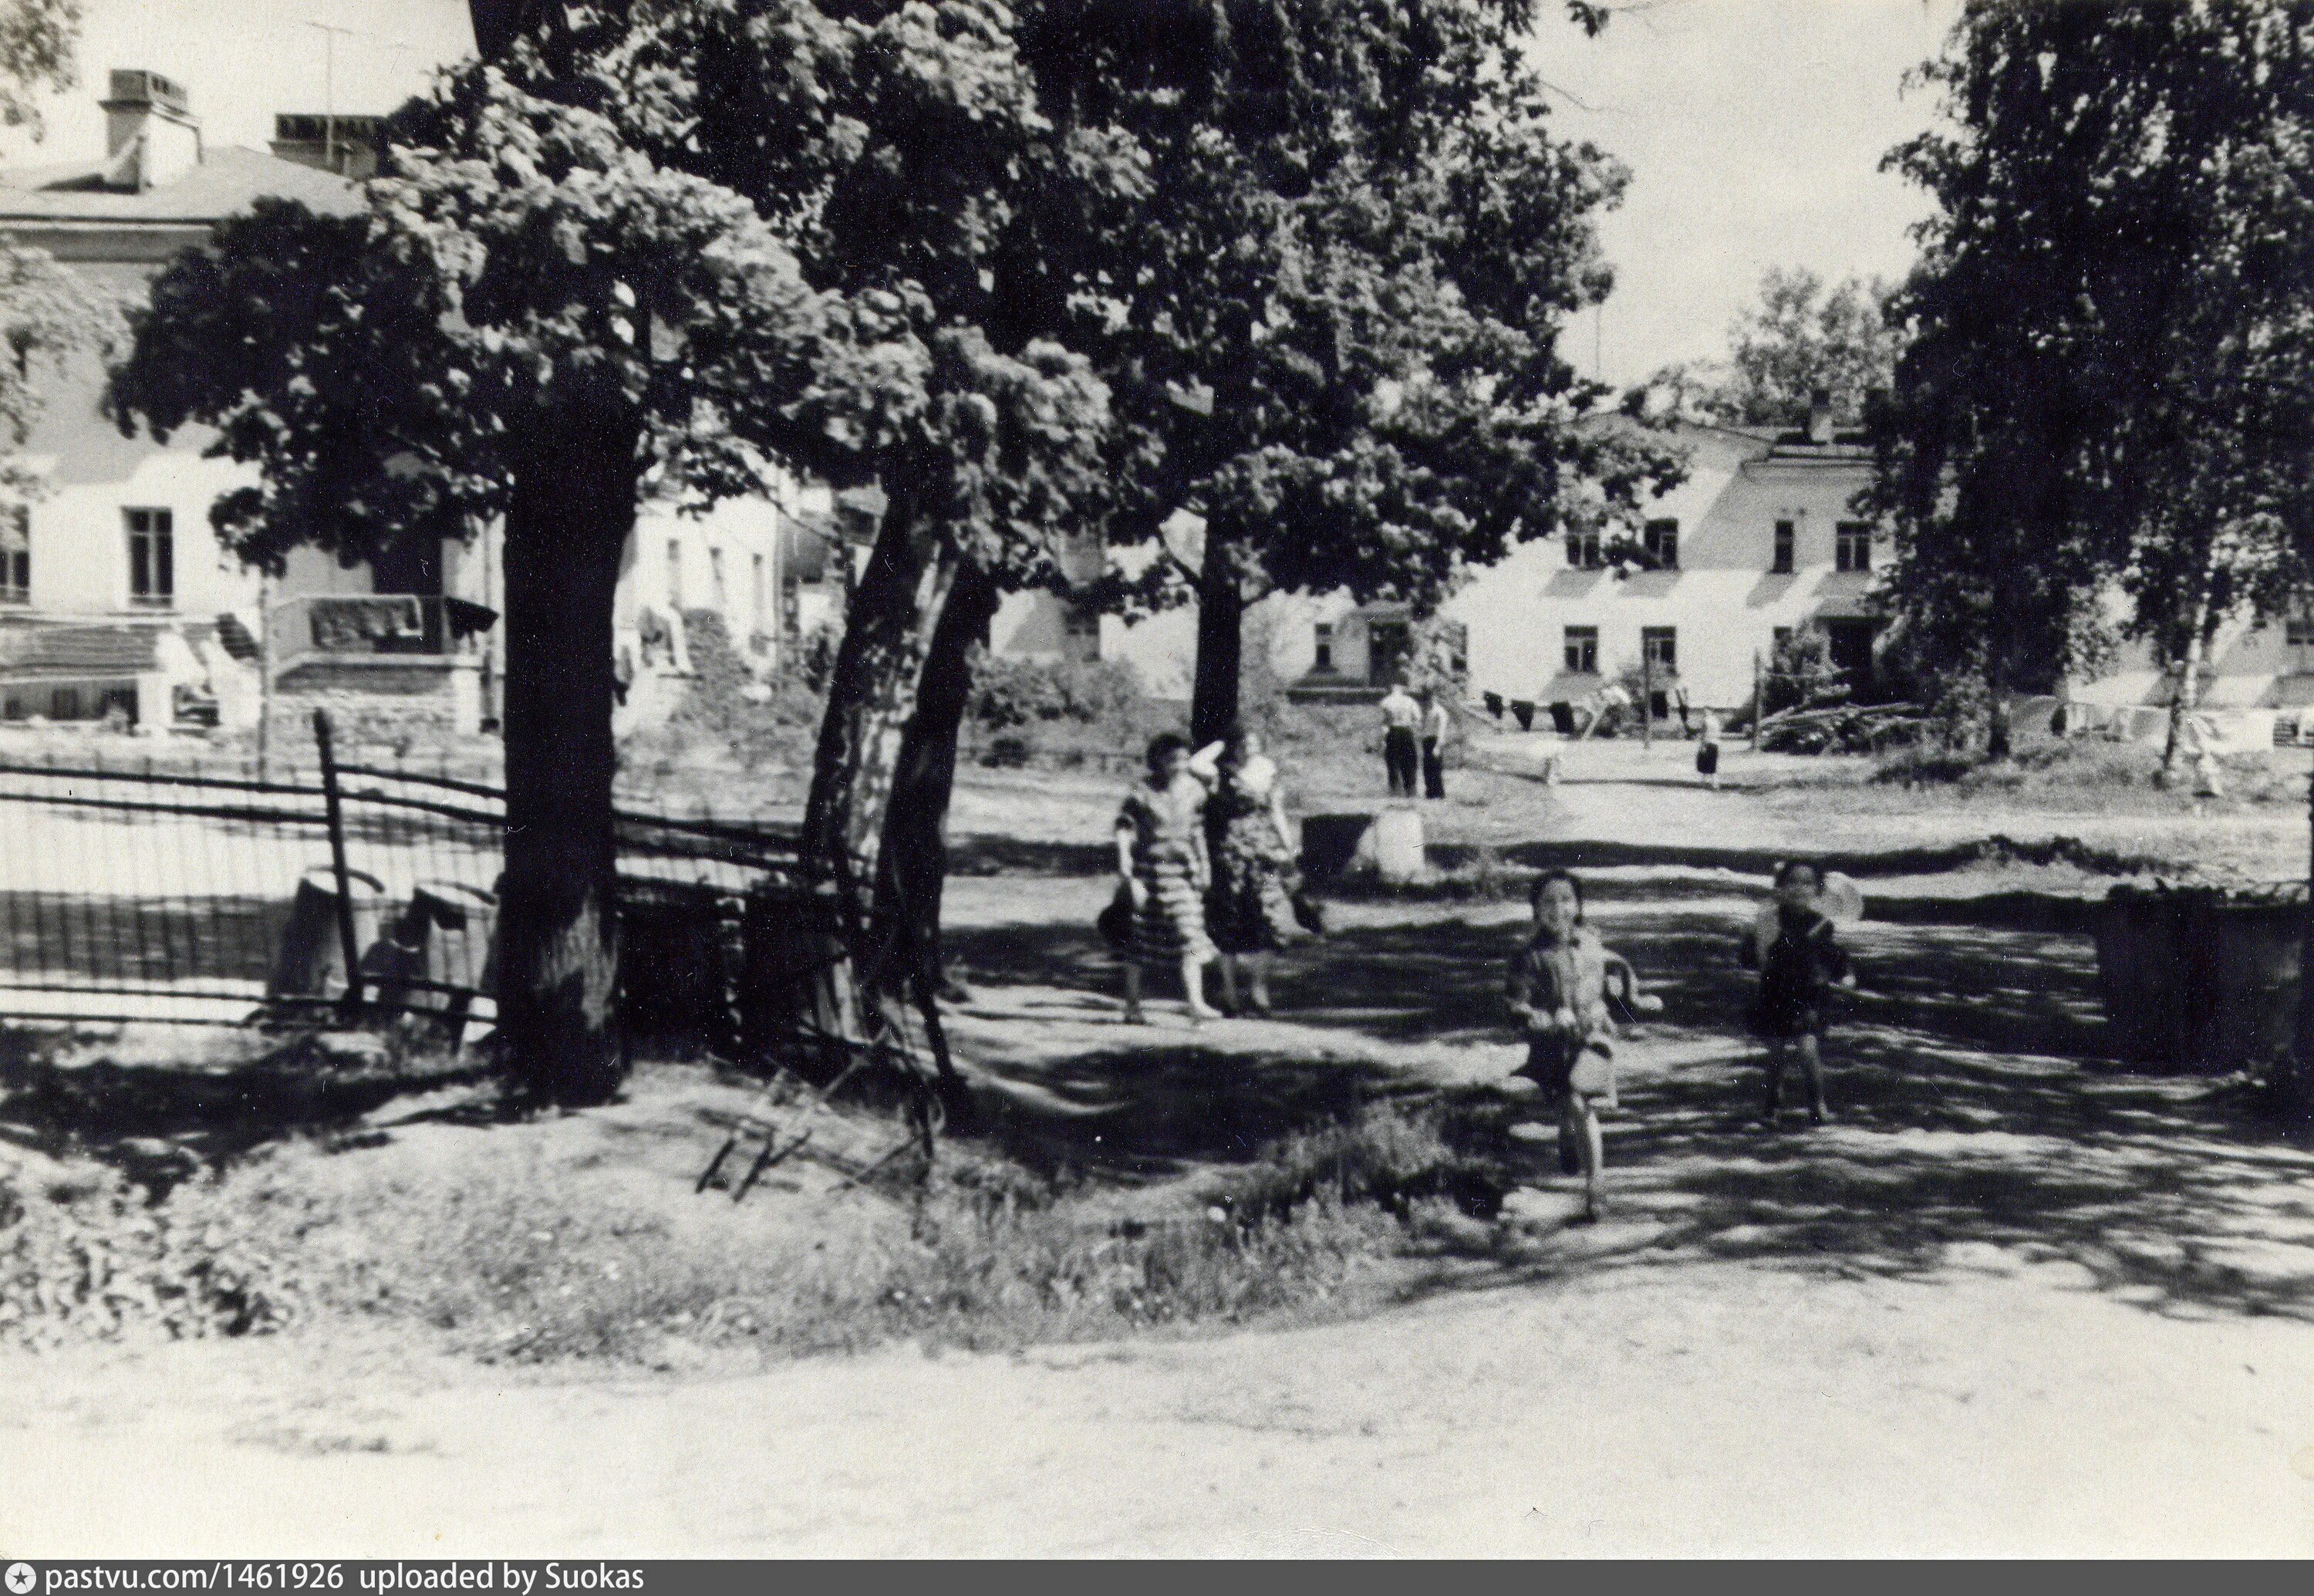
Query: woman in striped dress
(1160, 856)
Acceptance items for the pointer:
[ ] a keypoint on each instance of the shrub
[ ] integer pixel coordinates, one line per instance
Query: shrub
(1009, 691)
(83, 1255)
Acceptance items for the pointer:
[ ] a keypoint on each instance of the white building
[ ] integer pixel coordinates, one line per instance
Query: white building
(1760, 539)
(115, 594)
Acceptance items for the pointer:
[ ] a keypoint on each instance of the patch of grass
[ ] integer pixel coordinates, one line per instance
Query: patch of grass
(85, 1257)
(510, 1257)
(2082, 776)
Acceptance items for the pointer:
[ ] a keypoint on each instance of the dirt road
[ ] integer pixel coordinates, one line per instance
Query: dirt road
(1713, 1408)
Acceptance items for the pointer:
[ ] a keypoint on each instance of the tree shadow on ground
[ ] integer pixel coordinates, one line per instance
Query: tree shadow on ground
(2174, 1195)
(1979, 1129)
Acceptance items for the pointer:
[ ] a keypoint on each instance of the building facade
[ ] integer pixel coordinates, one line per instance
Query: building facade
(116, 600)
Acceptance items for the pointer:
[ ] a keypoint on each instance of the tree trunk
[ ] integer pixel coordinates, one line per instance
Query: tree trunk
(2295, 1089)
(889, 626)
(1996, 713)
(2188, 696)
(1221, 643)
(567, 525)
(912, 867)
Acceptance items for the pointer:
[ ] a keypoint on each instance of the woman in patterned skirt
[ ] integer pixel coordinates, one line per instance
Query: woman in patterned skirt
(1253, 903)
(1161, 857)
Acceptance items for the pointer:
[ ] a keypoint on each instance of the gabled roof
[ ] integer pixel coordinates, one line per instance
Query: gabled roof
(228, 180)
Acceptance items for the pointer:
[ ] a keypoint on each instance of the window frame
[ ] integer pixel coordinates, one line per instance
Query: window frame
(1852, 548)
(1579, 650)
(1585, 551)
(1660, 538)
(1660, 644)
(151, 531)
(1321, 648)
(1784, 549)
(16, 557)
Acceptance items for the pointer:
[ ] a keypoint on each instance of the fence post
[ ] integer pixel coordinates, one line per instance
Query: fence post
(347, 943)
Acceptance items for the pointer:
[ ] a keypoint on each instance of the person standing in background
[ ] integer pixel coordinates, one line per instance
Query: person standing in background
(1707, 751)
(1436, 724)
(1401, 712)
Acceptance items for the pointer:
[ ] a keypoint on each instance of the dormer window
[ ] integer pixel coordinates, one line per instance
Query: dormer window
(1661, 541)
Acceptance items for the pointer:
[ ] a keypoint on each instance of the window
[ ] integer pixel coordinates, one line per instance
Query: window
(1852, 546)
(1583, 550)
(1583, 650)
(64, 703)
(16, 558)
(1661, 542)
(2298, 631)
(675, 574)
(1083, 627)
(1322, 664)
(1660, 645)
(152, 559)
(1788, 538)
(715, 579)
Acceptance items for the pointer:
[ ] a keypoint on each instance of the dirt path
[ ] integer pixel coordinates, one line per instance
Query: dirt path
(1706, 1408)
(2012, 1302)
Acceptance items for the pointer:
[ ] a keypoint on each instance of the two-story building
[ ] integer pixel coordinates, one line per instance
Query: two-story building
(116, 597)
(1762, 538)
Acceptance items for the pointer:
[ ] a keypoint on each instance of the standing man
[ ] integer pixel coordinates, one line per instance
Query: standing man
(1400, 714)
(1437, 723)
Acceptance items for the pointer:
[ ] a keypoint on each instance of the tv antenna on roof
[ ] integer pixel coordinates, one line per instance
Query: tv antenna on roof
(329, 33)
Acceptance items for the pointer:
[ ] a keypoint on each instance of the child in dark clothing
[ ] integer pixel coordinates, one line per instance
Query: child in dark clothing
(1793, 948)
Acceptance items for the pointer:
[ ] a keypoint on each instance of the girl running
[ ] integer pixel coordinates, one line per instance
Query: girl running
(1560, 984)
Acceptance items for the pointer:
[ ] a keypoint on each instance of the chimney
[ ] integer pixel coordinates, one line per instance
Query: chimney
(150, 135)
(1819, 422)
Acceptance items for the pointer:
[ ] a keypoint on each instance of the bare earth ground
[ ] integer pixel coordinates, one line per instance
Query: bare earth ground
(2013, 1301)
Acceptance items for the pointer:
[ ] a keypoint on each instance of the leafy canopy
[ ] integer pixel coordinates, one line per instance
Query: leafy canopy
(1329, 319)
(2110, 366)
(541, 266)
(1798, 341)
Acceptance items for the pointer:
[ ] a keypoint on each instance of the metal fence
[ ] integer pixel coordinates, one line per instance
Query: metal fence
(147, 892)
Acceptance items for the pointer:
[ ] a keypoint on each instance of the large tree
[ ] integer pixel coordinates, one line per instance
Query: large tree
(2107, 384)
(556, 302)
(1329, 326)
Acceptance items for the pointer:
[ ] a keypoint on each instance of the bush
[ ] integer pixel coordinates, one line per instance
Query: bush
(1800, 671)
(1008, 691)
(83, 1255)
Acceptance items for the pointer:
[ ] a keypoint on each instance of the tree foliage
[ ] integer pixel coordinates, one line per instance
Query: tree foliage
(38, 38)
(50, 319)
(2109, 370)
(1330, 320)
(1799, 339)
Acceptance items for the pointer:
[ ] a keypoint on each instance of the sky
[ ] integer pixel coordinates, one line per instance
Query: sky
(1754, 131)
(241, 61)
(1753, 128)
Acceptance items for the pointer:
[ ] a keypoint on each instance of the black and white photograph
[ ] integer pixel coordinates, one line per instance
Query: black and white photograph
(1129, 779)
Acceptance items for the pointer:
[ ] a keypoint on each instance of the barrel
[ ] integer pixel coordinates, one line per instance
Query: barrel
(311, 963)
(2200, 979)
